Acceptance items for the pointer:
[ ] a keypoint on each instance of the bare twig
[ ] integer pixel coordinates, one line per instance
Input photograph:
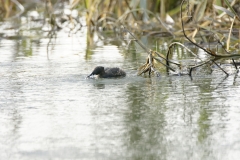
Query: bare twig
(229, 35)
(184, 33)
(149, 51)
(130, 9)
(210, 52)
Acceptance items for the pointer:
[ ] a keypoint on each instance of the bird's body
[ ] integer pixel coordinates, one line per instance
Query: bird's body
(102, 72)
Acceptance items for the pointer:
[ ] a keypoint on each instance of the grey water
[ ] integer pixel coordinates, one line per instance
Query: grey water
(49, 110)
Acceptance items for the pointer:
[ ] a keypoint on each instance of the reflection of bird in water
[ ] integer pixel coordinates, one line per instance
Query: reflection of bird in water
(107, 72)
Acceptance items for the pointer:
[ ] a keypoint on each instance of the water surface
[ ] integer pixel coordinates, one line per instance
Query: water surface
(49, 110)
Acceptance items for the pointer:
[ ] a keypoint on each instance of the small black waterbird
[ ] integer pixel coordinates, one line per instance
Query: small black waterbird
(108, 72)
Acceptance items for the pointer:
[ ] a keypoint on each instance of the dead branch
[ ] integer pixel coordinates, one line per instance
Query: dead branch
(210, 52)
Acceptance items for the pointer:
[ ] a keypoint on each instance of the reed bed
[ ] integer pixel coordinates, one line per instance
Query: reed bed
(197, 21)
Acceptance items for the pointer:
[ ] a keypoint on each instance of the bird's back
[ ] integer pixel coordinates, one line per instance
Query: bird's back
(114, 72)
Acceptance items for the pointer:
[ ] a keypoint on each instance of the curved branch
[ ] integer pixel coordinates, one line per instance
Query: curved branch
(207, 51)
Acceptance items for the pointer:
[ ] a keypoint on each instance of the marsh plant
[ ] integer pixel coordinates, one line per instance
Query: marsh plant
(198, 22)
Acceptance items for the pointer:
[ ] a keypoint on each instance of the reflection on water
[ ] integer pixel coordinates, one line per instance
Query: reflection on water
(48, 110)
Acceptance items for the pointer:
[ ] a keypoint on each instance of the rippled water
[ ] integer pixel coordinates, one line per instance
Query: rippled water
(49, 110)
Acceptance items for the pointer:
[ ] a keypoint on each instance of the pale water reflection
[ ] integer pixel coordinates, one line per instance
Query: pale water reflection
(48, 110)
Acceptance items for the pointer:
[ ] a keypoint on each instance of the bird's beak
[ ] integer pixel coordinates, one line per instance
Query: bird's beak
(89, 75)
